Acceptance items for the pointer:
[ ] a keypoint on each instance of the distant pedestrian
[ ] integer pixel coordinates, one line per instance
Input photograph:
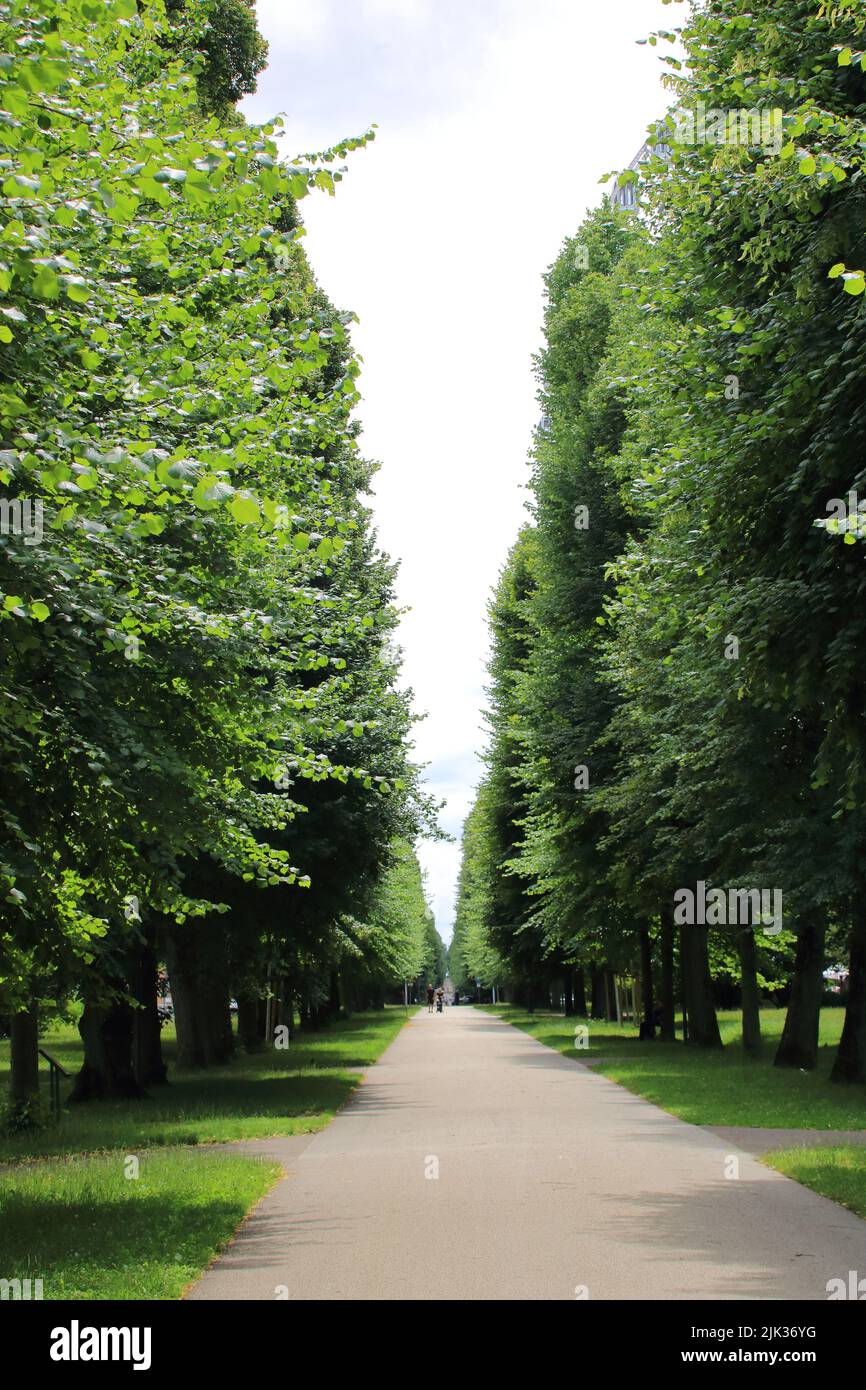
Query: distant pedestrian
(431, 996)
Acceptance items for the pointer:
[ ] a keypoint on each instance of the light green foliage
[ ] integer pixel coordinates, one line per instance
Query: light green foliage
(205, 609)
(399, 942)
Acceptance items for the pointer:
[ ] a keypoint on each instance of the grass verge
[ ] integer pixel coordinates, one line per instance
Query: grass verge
(89, 1231)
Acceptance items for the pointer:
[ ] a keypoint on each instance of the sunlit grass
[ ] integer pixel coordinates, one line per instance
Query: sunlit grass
(89, 1231)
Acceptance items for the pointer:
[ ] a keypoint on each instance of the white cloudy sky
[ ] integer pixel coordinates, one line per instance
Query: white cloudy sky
(496, 119)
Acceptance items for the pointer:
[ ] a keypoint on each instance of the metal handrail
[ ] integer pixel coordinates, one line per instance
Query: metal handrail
(54, 1074)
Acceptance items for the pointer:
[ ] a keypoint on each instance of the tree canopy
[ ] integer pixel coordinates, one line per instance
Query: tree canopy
(203, 724)
(683, 702)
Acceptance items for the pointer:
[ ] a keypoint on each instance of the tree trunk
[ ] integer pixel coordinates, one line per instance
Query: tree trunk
(580, 992)
(190, 1046)
(597, 992)
(197, 959)
(25, 1062)
(703, 1024)
(568, 993)
(684, 959)
(334, 1004)
(149, 1068)
(798, 1046)
(750, 1002)
(610, 996)
(850, 1063)
(262, 1021)
(106, 1073)
(289, 1004)
(214, 1023)
(248, 1024)
(191, 1052)
(648, 1027)
(668, 1018)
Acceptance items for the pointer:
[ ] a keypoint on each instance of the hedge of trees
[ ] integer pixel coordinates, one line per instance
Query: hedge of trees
(204, 751)
(677, 681)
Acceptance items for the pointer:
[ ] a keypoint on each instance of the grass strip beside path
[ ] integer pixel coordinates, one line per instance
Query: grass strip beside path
(89, 1231)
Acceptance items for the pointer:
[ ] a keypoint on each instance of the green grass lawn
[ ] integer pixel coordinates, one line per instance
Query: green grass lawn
(90, 1232)
(837, 1173)
(294, 1091)
(711, 1088)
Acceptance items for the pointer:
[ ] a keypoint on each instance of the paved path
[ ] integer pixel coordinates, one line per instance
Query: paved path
(551, 1179)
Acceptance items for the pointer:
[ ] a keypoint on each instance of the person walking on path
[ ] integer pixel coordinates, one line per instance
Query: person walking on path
(431, 995)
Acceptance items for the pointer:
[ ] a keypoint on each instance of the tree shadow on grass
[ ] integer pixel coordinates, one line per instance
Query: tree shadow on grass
(225, 1095)
(229, 1094)
(176, 1114)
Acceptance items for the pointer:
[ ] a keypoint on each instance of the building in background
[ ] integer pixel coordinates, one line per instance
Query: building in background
(625, 196)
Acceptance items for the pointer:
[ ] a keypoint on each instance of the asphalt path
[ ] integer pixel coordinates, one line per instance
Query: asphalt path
(475, 1163)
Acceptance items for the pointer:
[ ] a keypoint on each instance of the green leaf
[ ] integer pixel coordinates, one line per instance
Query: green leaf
(245, 510)
(46, 283)
(210, 491)
(197, 190)
(76, 290)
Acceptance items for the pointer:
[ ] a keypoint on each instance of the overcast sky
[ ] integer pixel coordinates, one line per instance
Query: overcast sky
(496, 120)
